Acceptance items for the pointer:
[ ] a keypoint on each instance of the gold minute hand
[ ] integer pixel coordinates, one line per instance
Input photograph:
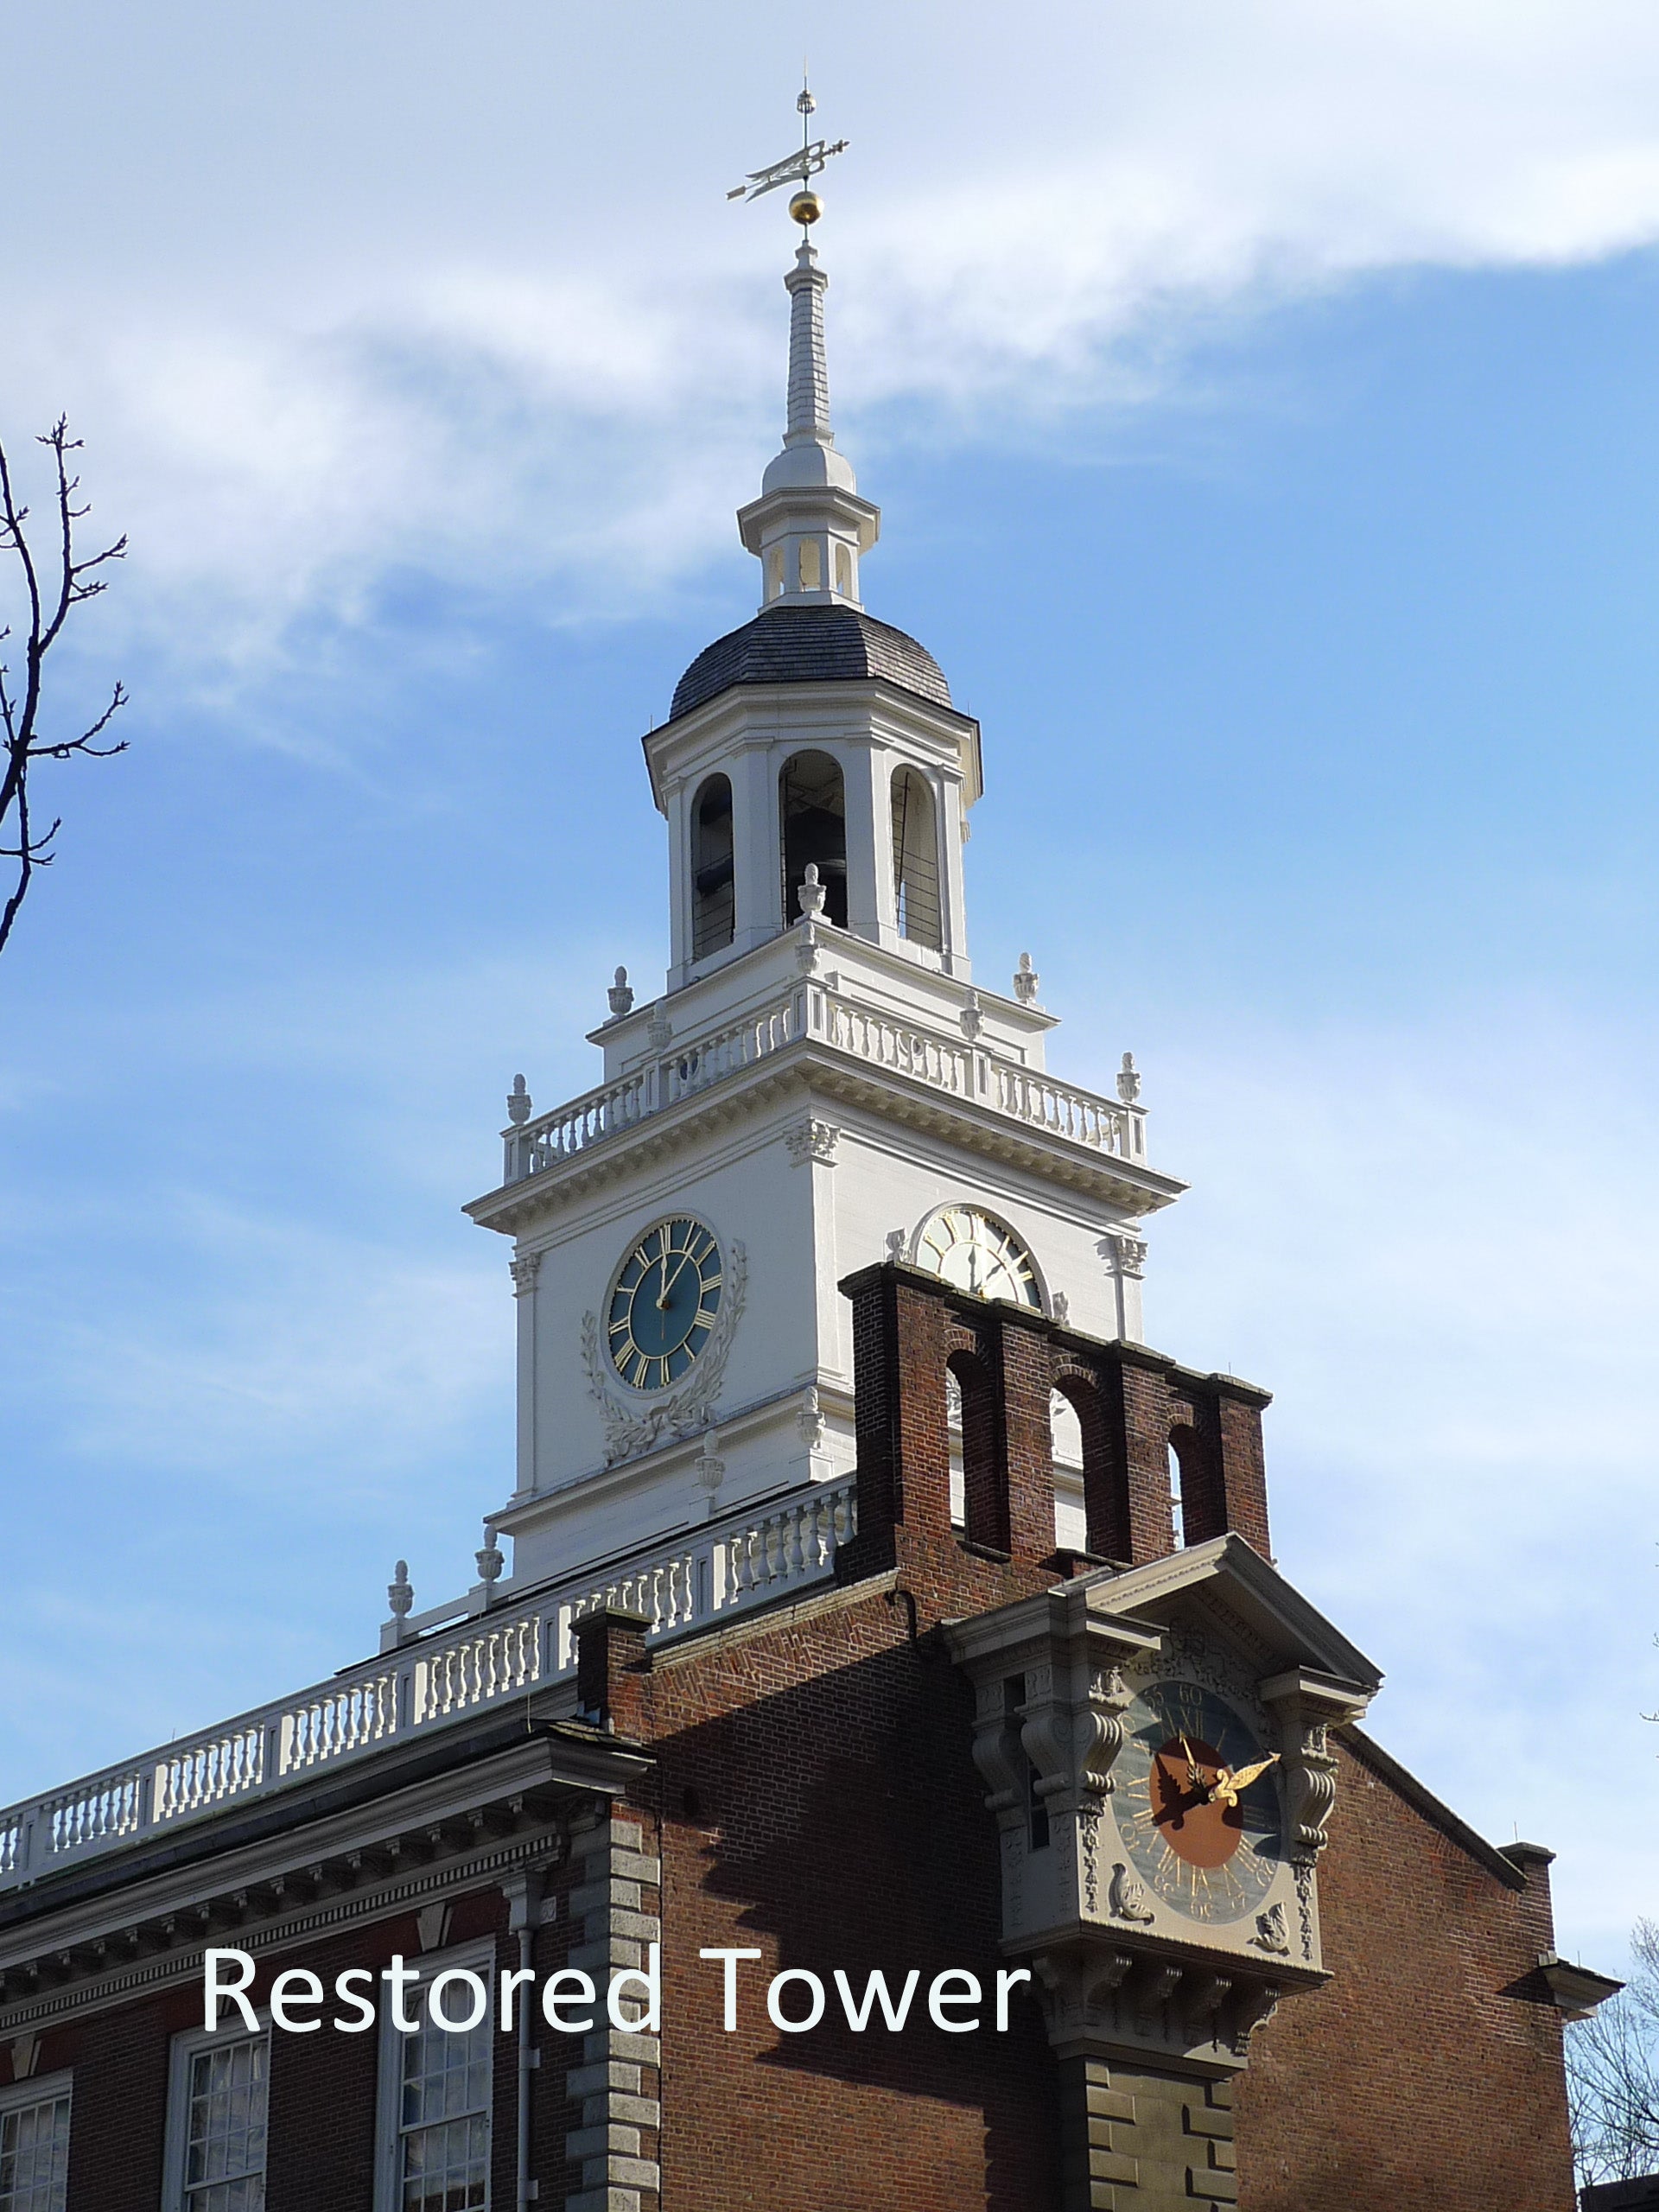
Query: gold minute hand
(1194, 1779)
(1229, 1784)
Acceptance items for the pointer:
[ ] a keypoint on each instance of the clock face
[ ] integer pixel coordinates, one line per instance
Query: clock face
(1208, 1844)
(969, 1249)
(665, 1303)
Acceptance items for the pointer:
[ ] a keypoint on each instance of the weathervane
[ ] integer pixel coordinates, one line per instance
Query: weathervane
(805, 207)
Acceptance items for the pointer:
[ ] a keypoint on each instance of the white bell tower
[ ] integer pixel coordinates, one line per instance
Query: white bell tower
(820, 1085)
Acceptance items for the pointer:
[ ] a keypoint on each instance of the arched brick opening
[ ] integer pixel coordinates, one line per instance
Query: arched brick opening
(1183, 1483)
(985, 1487)
(1105, 1477)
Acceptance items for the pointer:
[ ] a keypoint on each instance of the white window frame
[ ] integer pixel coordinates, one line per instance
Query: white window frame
(45, 2089)
(185, 2048)
(477, 1958)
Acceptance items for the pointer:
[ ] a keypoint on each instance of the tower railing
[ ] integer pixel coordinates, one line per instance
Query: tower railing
(522, 1642)
(810, 1012)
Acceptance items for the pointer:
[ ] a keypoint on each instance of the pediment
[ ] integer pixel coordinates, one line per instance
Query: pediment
(1225, 1588)
(1235, 1593)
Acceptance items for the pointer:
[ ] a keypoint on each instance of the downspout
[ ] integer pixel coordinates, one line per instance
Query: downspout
(524, 1917)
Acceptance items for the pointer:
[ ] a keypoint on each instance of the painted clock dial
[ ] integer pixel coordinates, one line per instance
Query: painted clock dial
(664, 1303)
(1204, 1844)
(969, 1249)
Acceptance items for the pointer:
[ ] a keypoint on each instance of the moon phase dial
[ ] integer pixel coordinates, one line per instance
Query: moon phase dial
(1208, 1848)
(665, 1303)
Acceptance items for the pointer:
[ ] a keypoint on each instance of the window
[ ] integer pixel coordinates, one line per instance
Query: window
(774, 571)
(812, 802)
(915, 859)
(436, 2091)
(811, 564)
(713, 881)
(34, 2145)
(844, 570)
(216, 2120)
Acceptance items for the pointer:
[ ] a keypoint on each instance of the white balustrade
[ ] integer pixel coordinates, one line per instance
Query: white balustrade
(953, 1065)
(733, 1564)
(100, 1810)
(208, 1771)
(341, 1718)
(468, 1671)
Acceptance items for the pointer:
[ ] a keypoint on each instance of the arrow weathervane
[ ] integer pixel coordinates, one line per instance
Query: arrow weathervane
(805, 207)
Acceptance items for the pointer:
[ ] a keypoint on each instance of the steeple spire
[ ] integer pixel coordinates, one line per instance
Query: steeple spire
(809, 526)
(809, 371)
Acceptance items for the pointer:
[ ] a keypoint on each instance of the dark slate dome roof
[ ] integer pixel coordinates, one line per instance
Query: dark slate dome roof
(789, 643)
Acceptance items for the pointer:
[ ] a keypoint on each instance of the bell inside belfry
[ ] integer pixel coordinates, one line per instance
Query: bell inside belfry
(813, 805)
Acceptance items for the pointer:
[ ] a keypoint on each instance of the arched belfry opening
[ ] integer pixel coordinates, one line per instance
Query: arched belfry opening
(915, 859)
(1091, 1490)
(1183, 1486)
(713, 886)
(984, 1482)
(812, 810)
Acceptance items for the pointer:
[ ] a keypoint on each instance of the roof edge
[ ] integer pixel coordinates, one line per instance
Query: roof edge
(1434, 1809)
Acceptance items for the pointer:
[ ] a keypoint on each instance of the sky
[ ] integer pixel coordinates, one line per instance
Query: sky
(1260, 399)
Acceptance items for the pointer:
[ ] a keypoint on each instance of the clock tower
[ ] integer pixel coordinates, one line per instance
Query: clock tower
(821, 1084)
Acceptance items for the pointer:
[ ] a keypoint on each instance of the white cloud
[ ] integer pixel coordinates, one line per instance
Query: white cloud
(534, 350)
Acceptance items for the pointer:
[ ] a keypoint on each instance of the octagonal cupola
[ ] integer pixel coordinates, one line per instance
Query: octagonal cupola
(809, 528)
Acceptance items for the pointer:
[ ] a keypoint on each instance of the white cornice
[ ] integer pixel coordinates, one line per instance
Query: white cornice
(518, 1209)
(780, 713)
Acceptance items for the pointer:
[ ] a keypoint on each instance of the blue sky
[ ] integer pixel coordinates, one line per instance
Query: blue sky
(1262, 411)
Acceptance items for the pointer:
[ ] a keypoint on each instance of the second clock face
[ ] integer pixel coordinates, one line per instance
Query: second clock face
(976, 1253)
(1209, 1848)
(665, 1303)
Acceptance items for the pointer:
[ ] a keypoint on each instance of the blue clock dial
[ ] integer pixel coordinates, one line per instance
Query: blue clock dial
(665, 1303)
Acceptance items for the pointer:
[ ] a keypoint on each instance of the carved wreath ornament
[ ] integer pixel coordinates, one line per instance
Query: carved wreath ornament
(677, 1413)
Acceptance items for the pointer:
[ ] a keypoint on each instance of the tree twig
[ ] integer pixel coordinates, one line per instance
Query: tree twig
(72, 581)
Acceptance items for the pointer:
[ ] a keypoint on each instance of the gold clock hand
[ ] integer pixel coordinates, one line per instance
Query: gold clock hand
(1228, 1784)
(1194, 1779)
(668, 1282)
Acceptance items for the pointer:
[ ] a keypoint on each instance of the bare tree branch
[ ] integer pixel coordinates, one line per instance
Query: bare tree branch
(1612, 2073)
(72, 581)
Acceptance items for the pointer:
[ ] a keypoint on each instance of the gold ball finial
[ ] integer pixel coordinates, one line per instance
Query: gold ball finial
(805, 207)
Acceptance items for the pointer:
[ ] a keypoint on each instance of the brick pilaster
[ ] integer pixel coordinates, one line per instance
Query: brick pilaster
(1142, 1408)
(1243, 1461)
(1026, 1362)
(900, 1343)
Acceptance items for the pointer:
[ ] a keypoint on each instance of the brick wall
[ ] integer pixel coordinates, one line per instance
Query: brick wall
(818, 1804)
(1427, 2075)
